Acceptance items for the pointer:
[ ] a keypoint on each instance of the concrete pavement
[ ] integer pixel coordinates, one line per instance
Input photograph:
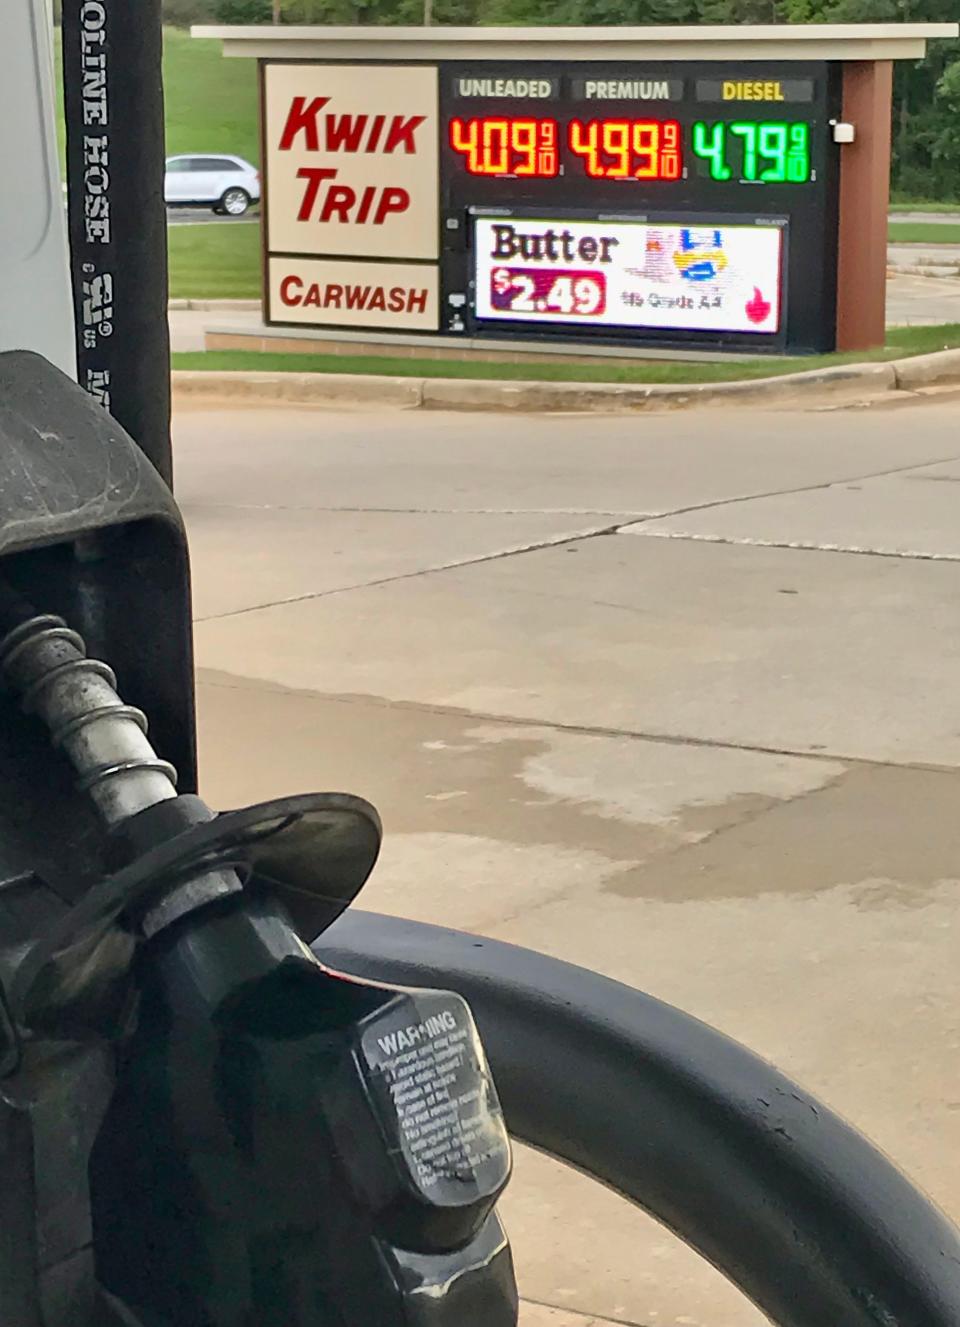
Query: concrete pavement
(920, 301)
(188, 326)
(931, 260)
(671, 696)
(927, 218)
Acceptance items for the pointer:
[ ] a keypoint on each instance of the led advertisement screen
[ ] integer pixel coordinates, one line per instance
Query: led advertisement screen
(657, 273)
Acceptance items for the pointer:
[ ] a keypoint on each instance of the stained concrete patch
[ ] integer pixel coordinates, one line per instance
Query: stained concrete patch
(806, 908)
(690, 789)
(480, 883)
(512, 816)
(890, 835)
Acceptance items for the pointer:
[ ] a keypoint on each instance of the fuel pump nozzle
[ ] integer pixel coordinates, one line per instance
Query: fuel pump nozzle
(286, 1144)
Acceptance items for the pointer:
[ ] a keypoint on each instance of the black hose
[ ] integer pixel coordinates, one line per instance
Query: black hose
(113, 109)
(791, 1203)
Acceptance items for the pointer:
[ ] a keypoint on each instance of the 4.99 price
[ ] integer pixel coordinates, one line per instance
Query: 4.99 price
(528, 290)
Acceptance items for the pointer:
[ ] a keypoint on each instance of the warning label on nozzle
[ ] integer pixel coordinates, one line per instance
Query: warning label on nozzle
(428, 1067)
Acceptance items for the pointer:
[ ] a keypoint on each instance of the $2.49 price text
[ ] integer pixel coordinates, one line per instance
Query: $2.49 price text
(564, 294)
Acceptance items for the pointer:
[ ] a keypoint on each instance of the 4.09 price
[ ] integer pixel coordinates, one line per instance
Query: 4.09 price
(526, 290)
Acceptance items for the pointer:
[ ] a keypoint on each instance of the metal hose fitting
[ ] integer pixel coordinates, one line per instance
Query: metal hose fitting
(46, 663)
(77, 699)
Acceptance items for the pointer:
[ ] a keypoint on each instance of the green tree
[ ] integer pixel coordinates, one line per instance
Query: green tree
(242, 11)
(599, 12)
(926, 111)
(738, 12)
(945, 142)
(926, 94)
(181, 13)
(925, 161)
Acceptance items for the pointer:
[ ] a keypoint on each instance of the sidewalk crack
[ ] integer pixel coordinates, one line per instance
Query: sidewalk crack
(534, 546)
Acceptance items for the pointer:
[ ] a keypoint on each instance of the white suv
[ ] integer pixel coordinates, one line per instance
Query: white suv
(226, 184)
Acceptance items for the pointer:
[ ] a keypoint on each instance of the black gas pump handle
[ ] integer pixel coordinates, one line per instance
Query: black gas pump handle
(790, 1202)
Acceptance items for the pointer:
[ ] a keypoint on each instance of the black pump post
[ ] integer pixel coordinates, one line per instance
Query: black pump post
(113, 101)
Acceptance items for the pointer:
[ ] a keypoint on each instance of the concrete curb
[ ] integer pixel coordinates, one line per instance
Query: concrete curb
(940, 369)
(212, 305)
(935, 271)
(852, 382)
(856, 380)
(295, 388)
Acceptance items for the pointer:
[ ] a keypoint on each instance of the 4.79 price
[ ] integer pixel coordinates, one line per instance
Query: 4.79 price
(757, 151)
(522, 291)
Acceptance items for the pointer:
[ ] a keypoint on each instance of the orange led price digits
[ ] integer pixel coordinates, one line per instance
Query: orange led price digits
(627, 149)
(502, 146)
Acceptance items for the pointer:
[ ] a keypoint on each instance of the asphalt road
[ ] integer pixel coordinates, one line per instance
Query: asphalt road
(672, 696)
(203, 216)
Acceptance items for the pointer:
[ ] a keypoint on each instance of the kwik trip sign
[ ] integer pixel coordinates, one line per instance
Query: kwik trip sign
(677, 203)
(352, 176)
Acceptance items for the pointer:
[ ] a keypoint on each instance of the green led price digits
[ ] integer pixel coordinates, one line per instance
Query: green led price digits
(770, 151)
(711, 148)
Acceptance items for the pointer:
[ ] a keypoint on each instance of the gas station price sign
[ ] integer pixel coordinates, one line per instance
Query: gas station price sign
(752, 151)
(710, 188)
(684, 203)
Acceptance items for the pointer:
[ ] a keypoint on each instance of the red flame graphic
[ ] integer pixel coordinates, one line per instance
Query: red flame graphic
(757, 309)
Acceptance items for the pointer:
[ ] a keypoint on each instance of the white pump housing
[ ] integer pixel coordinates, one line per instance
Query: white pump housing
(36, 307)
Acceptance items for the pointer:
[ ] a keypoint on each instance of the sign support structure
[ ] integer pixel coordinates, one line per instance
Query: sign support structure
(595, 190)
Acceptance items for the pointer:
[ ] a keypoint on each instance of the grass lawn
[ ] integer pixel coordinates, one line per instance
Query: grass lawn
(916, 232)
(211, 103)
(211, 106)
(219, 260)
(900, 342)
